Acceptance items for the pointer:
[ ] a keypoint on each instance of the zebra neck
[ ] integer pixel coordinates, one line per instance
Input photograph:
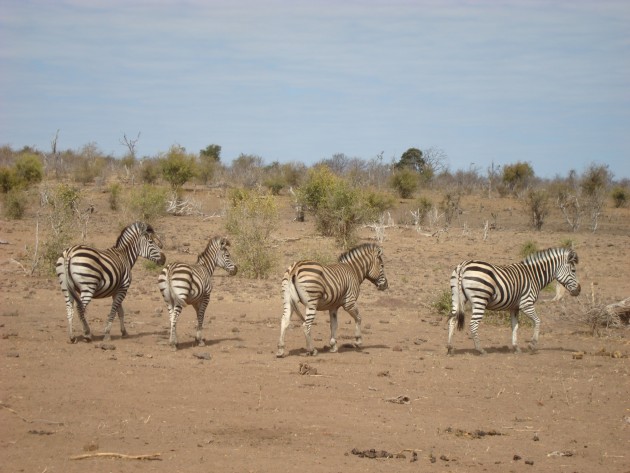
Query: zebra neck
(128, 251)
(542, 274)
(207, 260)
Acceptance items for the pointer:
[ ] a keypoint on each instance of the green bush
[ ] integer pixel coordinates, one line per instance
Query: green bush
(528, 248)
(250, 219)
(178, 168)
(29, 169)
(620, 197)
(377, 202)
(15, 204)
(8, 179)
(405, 182)
(148, 202)
(442, 303)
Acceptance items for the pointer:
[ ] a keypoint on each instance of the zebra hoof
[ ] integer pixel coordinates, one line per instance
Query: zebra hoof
(313, 352)
(516, 350)
(73, 340)
(532, 348)
(88, 338)
(174, 347)
(333, 348)
(482, 352)
(450, 351)
(280, 353)
(124, 334)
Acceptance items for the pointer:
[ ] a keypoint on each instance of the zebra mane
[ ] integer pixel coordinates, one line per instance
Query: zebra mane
(551, 254)
(135, 227)
(348, 255)
(222, 241)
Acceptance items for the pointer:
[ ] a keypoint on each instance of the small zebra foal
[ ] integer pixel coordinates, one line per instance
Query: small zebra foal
(508, 287)
(182, 284)
(328, 287)
(86, 273)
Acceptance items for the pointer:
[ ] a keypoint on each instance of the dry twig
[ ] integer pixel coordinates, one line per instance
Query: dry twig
(151, 456)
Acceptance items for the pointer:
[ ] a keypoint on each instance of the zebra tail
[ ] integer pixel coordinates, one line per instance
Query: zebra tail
(170, 294)
(461, 300)
(70, 285)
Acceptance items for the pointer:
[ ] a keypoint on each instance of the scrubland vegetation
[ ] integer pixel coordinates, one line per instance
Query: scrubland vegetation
(340, 193)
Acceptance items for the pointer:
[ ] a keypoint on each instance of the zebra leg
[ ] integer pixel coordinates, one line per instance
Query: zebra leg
(452, 321)
(121, 316)
(333, 330)
(117, 300)
(284, 324)
(70, 316)
(354, 313)
(308, 322)
(514, 317)
(531, 313)
(474, 325)
(87, 334)
(201, 311)
(173, 312)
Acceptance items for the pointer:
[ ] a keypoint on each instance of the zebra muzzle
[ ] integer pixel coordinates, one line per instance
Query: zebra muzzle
(576, 291)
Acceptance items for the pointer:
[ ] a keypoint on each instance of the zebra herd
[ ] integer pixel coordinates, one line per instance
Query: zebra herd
(87, 273)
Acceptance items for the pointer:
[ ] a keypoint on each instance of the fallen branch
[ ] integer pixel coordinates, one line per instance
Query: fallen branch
(30, 421)
(152, 456)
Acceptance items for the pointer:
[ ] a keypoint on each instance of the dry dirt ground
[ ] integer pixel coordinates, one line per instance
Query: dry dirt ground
(232, 406)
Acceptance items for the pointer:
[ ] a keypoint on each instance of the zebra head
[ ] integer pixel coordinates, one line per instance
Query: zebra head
(150, 245)
(376, 273)
(566, 273)
(223, 258)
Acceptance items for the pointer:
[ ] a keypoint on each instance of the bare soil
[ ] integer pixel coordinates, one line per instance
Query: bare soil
(399, 404)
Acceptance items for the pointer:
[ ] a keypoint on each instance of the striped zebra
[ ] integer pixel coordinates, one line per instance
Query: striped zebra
(508, 287)
(182, 284)
(328, 287)
(86, 273)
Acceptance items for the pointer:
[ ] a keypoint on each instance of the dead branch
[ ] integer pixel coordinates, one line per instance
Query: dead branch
(30, 421)
(151, 456)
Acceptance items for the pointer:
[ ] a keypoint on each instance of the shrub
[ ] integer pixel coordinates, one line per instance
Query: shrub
(450, 205)
(177, 168)
(148, 203)
(275, 184)
(528, 248)
(538, 207)
(150, 171)
(405, 182)
(377, 202)
(8, 179)
(15, 203)
(114, 196)
(620, 197)
(29, 169)
(442, 303)
(250, 219)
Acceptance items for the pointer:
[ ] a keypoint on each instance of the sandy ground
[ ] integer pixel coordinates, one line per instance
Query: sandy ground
(233, 406)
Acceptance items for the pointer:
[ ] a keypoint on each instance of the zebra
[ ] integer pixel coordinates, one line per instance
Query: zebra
(328, 287)
(508, 287)
(182, 284)
(86, 273)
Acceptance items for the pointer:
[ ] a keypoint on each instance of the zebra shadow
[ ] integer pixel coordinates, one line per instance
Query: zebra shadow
(508, 350)
(346, 347)
(189, 344)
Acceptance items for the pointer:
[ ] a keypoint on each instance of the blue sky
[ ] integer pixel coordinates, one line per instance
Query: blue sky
(547, 82)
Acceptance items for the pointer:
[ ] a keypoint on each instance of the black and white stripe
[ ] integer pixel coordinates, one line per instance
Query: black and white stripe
(182, 284)
(328, 287)
(508, 287)
(86, 273)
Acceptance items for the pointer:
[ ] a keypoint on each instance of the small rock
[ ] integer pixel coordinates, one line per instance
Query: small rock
(13, 354)
(203, 356)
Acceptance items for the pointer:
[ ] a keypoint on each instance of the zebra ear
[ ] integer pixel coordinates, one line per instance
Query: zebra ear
(225, 242)
(573, 257)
